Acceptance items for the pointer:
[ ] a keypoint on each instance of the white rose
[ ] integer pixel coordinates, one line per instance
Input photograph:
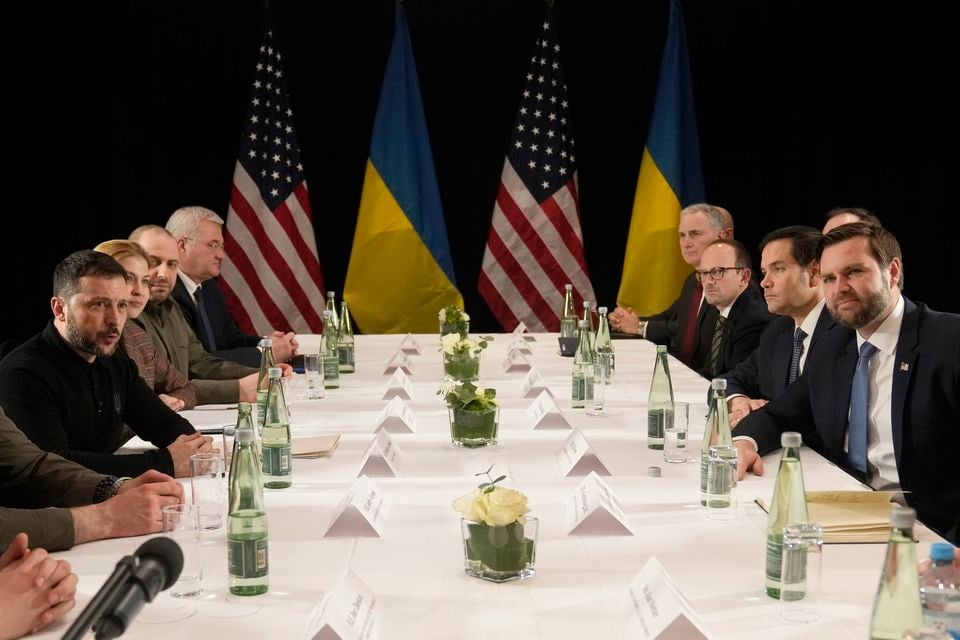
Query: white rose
(443, 314)
(466, 317)
(504, 506)
(449, 343)
(470, 506)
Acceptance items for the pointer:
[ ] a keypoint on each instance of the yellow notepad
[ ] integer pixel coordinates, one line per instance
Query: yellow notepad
(849, 516)
(315, 446)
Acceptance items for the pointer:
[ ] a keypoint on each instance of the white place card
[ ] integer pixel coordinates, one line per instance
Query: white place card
(545, 414)
(657, 608)
(533, 384)
(577, 458)
(520, 345)
(410, 345)
(382, 458)
(520, 331)
(349, 611)
(361, 513)
(515, 362)
(397, 417)
(398, 386)
(593, 509)
(400, 360)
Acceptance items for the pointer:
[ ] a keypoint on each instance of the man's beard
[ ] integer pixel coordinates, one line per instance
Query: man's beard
(870, 309)
(81, 343)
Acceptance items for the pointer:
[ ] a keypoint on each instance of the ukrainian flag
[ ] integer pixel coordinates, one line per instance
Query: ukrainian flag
(400, 272)
(670, 179)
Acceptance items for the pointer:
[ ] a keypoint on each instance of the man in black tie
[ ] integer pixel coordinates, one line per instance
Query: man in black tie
(884, 402)
(740, 317)
(791, 287)
(199, 235)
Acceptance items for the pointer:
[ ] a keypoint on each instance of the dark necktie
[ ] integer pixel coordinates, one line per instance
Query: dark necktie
(206, 329)
(688, 338)
(716, 344)
(798, 336)
(859, 410)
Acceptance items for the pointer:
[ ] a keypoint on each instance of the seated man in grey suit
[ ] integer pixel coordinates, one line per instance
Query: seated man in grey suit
(883, 402)
(199, 235)
(791, 287)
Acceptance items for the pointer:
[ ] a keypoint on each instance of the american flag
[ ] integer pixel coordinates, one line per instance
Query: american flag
(535, 245)
(271, 274)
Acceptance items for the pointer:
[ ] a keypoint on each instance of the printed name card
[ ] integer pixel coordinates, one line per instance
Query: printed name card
(657, 608)
(361, 513)
(349, 611)
(545, 414)
(397, 417)
(532, 385)
(520, 332)
(410, 345)
(400, 360)
(520, 345)
(515, 362)
(398, 386)
(578, 459)
(382, 458)
(594, 510)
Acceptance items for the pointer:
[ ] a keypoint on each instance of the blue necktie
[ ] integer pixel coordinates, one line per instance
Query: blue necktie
(209, 343)
(798, 337)
(859, 410)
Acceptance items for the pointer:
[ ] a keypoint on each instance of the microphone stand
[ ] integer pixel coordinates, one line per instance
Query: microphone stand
(103, 599)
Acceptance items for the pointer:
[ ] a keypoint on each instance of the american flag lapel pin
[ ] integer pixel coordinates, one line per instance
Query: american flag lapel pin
(904, 366)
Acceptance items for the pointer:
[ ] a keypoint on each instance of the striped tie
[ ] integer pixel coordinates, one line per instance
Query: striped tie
(798, 337)
(716, 344)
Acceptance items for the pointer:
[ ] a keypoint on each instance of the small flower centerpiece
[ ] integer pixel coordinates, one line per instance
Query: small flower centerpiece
(499, 540)
(454, 320)
(461, 356)
(474, 413)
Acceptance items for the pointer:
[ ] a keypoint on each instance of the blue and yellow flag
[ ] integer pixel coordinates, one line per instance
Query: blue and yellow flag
(670, 179)
(400, 272)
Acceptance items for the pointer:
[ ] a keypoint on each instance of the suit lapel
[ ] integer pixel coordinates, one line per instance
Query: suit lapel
(782, 352)
(903, 368)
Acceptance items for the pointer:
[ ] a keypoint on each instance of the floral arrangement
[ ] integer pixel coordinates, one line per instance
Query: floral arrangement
(468, 397)
(492, 505)
(454, 344)
(453, 315)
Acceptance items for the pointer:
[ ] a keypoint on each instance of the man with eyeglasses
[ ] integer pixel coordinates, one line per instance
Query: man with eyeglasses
(199, 235)
(740, 319)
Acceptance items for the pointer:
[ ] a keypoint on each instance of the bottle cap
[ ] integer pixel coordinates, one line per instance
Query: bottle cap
(653, 472)
(243, 407)
(902, 517)
(941, 552)
(602, 310)
(568, 287)
(718, 384)
(265, 342)
(586, 304)
(331, 294)
(274, 372)
(790, 439)
(583, 324)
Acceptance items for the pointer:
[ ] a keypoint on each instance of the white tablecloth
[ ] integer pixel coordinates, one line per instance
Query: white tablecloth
(416, 568)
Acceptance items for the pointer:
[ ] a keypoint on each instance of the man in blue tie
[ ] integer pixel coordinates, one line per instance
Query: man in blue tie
(884, 404)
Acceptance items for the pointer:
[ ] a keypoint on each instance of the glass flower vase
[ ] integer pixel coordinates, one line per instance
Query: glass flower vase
(461, 367)
(474, 428)
(502, 553)
(462, 327)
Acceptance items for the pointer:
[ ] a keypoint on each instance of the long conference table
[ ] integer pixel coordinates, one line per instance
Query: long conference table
(415, 569)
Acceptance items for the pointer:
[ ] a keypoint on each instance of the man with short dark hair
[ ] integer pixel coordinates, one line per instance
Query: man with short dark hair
(883, 402)
(846, 215)
(70, 390)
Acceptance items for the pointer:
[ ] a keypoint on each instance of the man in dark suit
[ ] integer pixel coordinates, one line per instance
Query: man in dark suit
(199, 235)
(739, 318)
(791, 287)
(884, 403)
(680, 326)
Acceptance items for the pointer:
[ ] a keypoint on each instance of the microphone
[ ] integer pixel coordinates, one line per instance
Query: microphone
(137, 579)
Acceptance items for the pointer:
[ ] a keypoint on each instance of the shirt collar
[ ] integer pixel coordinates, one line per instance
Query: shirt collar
(888, 333)
(188, 283)
(809, 324)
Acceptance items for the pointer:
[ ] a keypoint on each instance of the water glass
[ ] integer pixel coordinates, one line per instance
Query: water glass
(722, 482)
(675, 434)
(313, 369)
(801, 564)
(208, 487)
(181, 523)
(594, 405)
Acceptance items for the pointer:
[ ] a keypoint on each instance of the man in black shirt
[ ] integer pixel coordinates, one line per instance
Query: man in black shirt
(70, 391)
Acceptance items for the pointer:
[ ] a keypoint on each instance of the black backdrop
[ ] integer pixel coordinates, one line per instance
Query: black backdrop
(119, 112)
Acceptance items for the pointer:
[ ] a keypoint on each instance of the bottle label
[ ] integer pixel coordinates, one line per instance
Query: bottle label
(774, 558)
(579, 388)
(345, 356)
(331, 367)
(276, 461)
(657, 421)
(247, 558)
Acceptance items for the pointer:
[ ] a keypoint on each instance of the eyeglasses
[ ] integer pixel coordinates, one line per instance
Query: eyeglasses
(716, 273)
(213, 245)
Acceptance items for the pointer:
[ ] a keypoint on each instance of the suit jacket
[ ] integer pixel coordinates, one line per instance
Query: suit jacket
(32, 480)
(925, 410)
(215, 378)
(229, 342)
(764, 374)
(747, 319)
